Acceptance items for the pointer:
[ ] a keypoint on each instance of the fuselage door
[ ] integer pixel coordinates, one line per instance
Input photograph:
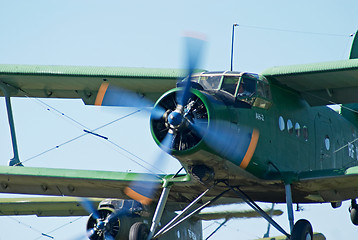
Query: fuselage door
(324, 149)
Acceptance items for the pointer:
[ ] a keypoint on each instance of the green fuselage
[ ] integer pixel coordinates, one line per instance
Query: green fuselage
(294, 141)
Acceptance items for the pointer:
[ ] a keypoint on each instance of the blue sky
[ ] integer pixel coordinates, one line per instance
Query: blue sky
(148, 34)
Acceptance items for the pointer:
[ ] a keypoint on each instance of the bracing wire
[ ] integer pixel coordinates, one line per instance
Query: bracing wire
(60, 227)
(92, 132)
(28, 226)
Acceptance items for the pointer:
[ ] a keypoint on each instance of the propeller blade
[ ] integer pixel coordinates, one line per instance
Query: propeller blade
(229, 140)
(90, 233)
(87, 204)
(109, 95)
(194, 48)
(108, 236)
(144, 188)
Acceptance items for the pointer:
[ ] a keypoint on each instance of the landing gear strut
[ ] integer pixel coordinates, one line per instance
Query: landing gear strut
(302, 230)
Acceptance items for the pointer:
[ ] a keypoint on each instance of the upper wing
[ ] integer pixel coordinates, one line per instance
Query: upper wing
(45, 206)
(84, 82)
(320, 83)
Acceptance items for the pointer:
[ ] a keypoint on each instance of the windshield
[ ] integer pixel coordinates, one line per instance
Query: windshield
(210, 82)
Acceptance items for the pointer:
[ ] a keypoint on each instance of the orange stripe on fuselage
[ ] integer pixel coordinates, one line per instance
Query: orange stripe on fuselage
(251, 149)
(136, 196)
(101, 92)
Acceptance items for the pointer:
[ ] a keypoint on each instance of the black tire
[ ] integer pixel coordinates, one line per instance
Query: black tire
(354, 216)
(302, 230)
(138, 231)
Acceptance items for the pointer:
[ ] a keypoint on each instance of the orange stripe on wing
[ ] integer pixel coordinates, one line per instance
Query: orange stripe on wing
(136, 196)
(250, 151)
(101, 92)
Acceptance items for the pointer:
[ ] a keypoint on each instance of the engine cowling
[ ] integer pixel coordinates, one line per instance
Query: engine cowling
(189, 125)
(204, 132)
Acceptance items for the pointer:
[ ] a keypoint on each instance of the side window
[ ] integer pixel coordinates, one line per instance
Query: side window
(230, 83)
(263, 90)
(247, 88)
(263, 95)
(254, 90)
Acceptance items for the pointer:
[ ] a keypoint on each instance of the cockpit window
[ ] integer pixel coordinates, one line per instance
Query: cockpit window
(210, 82)
(255, 91)
(247, 88)
(251, 89)
(230, 83)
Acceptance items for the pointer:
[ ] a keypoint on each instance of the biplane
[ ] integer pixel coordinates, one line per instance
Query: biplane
(239, 136)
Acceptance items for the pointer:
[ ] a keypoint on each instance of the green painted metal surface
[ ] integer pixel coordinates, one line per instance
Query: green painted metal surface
(86, 71)
(320, 83)
(45, 206)
(83, 82)
(333, 66)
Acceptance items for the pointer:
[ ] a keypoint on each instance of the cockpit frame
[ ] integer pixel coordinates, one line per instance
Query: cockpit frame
(250, 88)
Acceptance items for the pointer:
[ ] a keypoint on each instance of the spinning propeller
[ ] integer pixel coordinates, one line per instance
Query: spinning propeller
(180, 121)
(143, 189)
(103, 224)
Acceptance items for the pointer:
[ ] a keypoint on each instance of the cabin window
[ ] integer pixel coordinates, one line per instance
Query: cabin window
(281, 123)
(289, 126)
(298, 130)
(327, 143)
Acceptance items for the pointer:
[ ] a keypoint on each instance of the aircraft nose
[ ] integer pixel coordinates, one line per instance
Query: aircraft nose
(175, 118)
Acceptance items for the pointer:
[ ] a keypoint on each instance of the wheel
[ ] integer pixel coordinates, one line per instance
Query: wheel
(302, 230)
(138, 231)
(354, 216)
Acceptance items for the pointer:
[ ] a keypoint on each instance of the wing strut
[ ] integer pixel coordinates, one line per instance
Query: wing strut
(259, 210)
(180, 217)
(160, 208)
(5, 88)
(222, 224)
